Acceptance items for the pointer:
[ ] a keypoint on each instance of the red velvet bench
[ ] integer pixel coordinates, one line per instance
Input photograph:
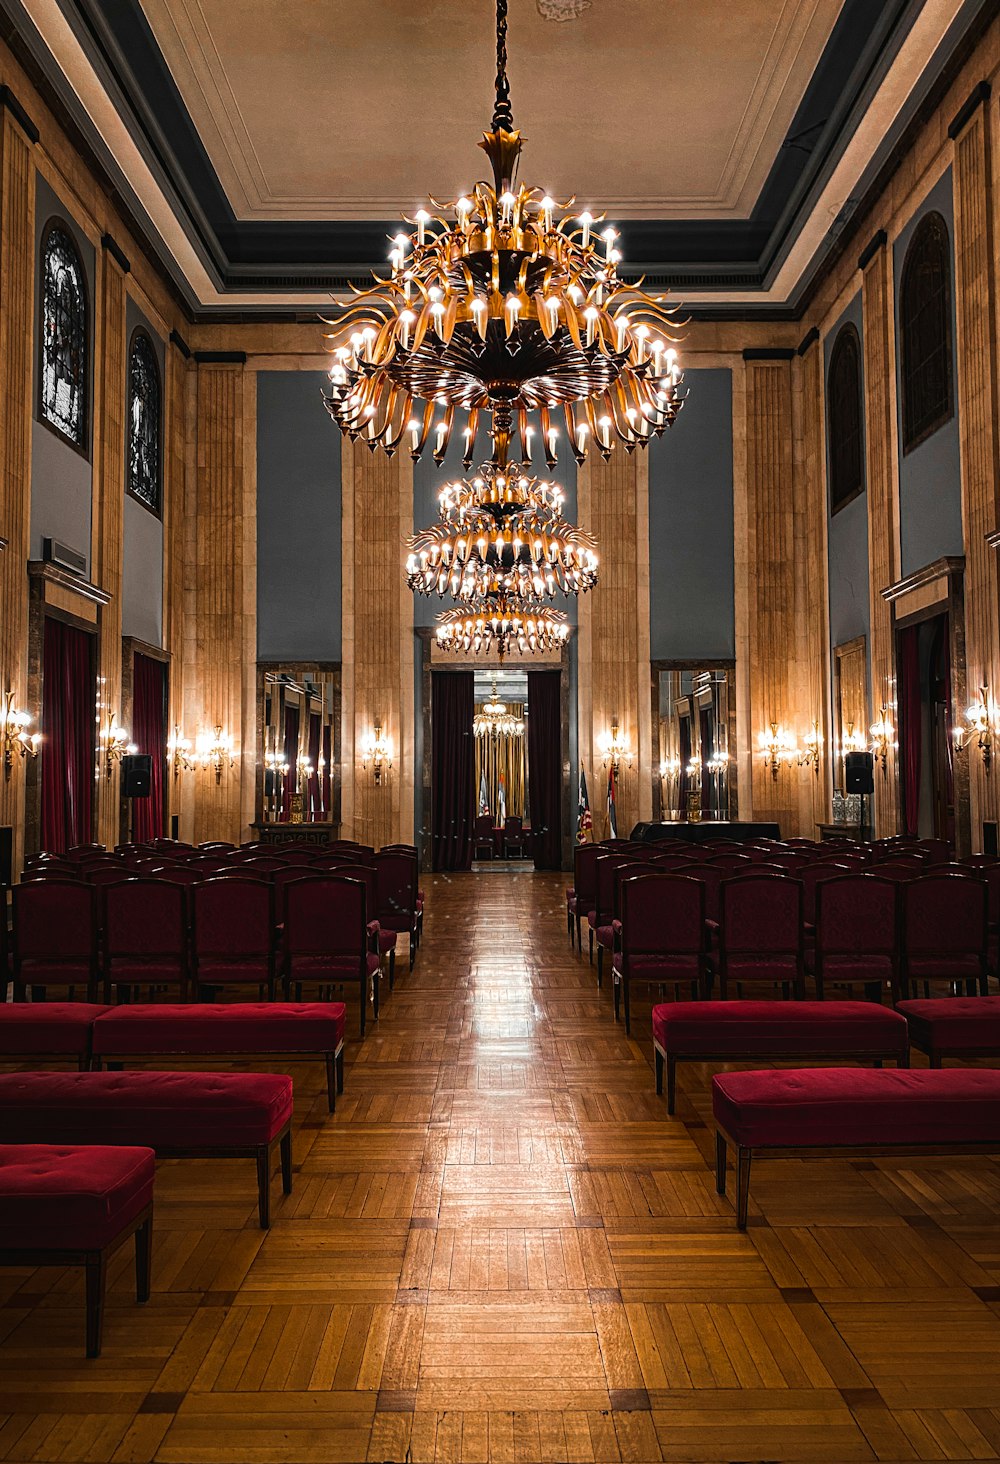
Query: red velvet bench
(849, 1108)
(180, 1115)
(66, 1206)
(256, 1029)
(45, 1030)
(954, 1026)
(737, 1031)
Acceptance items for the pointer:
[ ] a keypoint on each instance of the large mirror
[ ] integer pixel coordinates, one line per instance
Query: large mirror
(694, 722)
(298, 714)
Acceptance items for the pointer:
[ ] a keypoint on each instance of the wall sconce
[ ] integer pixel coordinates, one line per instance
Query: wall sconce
(616, 750)
(812, 749)
(377, 751)
(853, 741)
(778, 748)
(983, 718)
(883, 736)
(179, 748)
(693, 769)
(116, 745)
(718, 764)
(670, 769)
(216, 751)
(304, 767)
(16, 737)
(275, 763)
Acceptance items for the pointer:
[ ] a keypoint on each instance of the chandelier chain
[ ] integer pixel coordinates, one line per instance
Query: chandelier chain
(503, 115)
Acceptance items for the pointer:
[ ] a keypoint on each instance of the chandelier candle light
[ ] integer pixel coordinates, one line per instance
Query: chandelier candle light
(494, 720)
(16, 737)
(778, 748)
(377, 750)
(179, 748)
(507, 309)
(116, 745)
(883, 738)
(503, 625)
(616, 750)
(983, 718)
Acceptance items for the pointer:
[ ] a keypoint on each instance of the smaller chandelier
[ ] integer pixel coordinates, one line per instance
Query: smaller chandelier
(215, 750)
(16, 737)
(502, 625)
(494, 720)
(179, 748)
(616, 749)
(983, 718)
(116, 745)
(502, 533)
(778, 748)
(883, 736)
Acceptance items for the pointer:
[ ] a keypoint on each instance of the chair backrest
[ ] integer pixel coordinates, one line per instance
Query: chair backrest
(944, 914)
(903, 857)
(662, 914)
(361, 853)
(513, 824)
(182, 874)
(367, 875)
(935, 851)
(605, 879)
(286, 874)
(585, 857)
(108, 874)
(484, 826)
(812, 877)
(232, 916)
(856, 915)
(990, 875)
(54, 919)
(213, 845)
(621, 872)
(325, 915)
(761, 914)
(145, 917)
(789, 860)
(397, 883)
(901, 871)
(263, 864)
(735, 862)
(52, 869)
(77, 851)
(711, 876)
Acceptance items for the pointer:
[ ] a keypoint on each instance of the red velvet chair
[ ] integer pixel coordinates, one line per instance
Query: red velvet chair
(482, 835)
(856, 938)
(760, 932)
(811, 876)
(216, 846)
(944, 933)
(54, 936)
(399, 906)
(112, 874)
(183, 874)
(732, 863)
(583, 897)
(601, 919)
(514, 837)
(145, 927)
(663, 935)
(360, 853)
(382, 941)
(232, 932)
(325, 938)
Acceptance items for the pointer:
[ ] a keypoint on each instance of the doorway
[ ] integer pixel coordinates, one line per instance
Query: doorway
(502, 835)
(926, 744)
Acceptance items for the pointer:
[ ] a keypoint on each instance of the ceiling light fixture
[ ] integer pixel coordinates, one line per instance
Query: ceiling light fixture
(502, 626)
(511, 305)
(495, 720)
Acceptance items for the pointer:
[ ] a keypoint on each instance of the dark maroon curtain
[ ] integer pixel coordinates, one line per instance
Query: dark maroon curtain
(68, 705)
(545, 767)
(149, 734)
(453, 768)
(290, 754)
(325, 782)
(707, 753)
(910, 724)
(314, 726)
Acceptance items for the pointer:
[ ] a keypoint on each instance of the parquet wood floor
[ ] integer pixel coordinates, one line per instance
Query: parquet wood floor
(501, 1249)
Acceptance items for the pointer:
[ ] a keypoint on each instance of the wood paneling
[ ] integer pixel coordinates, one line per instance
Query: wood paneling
(17, 232)
(975, 300)
(810, 671)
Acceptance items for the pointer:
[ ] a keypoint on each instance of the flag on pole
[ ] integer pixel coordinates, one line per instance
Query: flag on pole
(484, 797)
(612, 803)
(584, 822)
(501, 803)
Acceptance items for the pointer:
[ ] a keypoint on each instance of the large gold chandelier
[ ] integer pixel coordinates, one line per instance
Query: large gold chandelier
(494, 720)
(510, 305)
(502, 533)
(501, 626)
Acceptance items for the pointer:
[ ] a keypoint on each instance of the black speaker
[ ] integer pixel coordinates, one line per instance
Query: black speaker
(859, 773)
(137, 775)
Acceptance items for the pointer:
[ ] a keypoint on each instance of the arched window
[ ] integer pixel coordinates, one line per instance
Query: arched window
(925, 332)
(64, 336)
(844, 419)
(144, 418)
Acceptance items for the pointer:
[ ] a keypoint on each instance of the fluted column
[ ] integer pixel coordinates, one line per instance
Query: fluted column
(810, 668)
(108, 525)
(613, 652)
(377, 651)
(975, 295)
(883, 511)
(17, 228)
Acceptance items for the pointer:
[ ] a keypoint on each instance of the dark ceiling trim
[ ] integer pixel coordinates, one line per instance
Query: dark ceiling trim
(9, 102)
(117, 253)
(809, 339)
(770, 353)
(221, 358)
(876, 242)
(178, 340)
(967, 111)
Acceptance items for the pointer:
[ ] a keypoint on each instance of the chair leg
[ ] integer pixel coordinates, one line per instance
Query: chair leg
(376, 985)
(720, 1164)
(340, 1071)
(285, 1148)
(331, 1083)
(144, 1259)
(671, 1081)
(616, 982)
(97, 1276)
(600, 965)
(392, 969)
(363, 1003)
(743, 1157)
(658, 1064)
(628, 1013)
(590, 944)
(264, 1187)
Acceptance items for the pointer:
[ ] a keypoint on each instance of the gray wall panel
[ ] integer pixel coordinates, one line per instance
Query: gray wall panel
(850, 612)
(142, 550)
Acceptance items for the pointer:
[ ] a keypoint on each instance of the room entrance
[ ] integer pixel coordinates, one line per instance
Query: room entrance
(926, 743)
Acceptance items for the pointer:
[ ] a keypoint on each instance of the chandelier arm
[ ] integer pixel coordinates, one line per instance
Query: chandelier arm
(503, 115)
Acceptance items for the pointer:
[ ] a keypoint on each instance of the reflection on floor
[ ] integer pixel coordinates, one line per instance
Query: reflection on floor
(502, 1249)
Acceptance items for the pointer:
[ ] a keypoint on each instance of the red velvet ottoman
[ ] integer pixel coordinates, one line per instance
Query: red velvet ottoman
(67, 1206)
(189, 1115)
(733, 1031)
(44, 1029)
(954, 1026)
(843, 1108)
(257, 1029)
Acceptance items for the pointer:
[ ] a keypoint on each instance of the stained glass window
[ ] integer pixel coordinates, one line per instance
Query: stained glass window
(844, 415)
(63, 390)
(925, 332)
(144, 416)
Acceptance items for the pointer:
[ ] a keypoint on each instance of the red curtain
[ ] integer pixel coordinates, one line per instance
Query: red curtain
(149, 733)
(314, 727)
(325, 783)
(910, 724)
(68, 709)
(453, 767)
(290, 754)
(545, 767)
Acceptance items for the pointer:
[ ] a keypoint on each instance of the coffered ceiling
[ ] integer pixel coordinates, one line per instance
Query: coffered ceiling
(267, 146)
